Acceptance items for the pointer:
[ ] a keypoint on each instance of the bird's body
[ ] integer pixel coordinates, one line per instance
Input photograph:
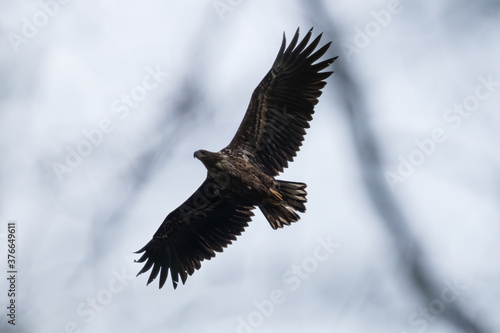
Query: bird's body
(241, 176)
(239, 173)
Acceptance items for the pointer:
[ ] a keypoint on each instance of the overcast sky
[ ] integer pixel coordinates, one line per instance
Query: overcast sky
(102, 105)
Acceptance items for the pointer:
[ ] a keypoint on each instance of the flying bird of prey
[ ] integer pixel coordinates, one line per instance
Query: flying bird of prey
(242, 175)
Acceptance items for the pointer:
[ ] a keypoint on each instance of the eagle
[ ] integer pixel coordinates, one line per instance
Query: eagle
(242, 175)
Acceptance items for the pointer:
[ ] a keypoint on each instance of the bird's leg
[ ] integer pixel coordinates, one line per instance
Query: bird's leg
(276, 195)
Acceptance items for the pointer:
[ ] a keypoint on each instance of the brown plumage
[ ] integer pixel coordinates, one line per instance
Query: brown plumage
(241, 176)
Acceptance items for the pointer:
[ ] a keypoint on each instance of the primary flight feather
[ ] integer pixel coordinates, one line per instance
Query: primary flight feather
(242, 175)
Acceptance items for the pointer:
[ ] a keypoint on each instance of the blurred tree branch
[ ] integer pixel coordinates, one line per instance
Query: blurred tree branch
(177, 116)
(371, 165)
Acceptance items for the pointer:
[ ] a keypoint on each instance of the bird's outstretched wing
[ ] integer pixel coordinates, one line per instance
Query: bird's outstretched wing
(204, 224)
(283, 103)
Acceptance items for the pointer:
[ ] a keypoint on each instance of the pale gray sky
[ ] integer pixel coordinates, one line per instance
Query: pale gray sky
(103, 104)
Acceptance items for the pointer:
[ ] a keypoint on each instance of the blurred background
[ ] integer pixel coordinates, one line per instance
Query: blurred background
(102, 105)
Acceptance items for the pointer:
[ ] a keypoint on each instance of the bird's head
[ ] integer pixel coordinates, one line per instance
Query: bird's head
(200, 154)
(206, 157)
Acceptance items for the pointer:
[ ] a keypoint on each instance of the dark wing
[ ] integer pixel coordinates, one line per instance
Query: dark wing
(282, 104)
(205, 223)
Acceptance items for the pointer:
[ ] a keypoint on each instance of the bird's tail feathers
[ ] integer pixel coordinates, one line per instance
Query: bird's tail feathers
(290, 197)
